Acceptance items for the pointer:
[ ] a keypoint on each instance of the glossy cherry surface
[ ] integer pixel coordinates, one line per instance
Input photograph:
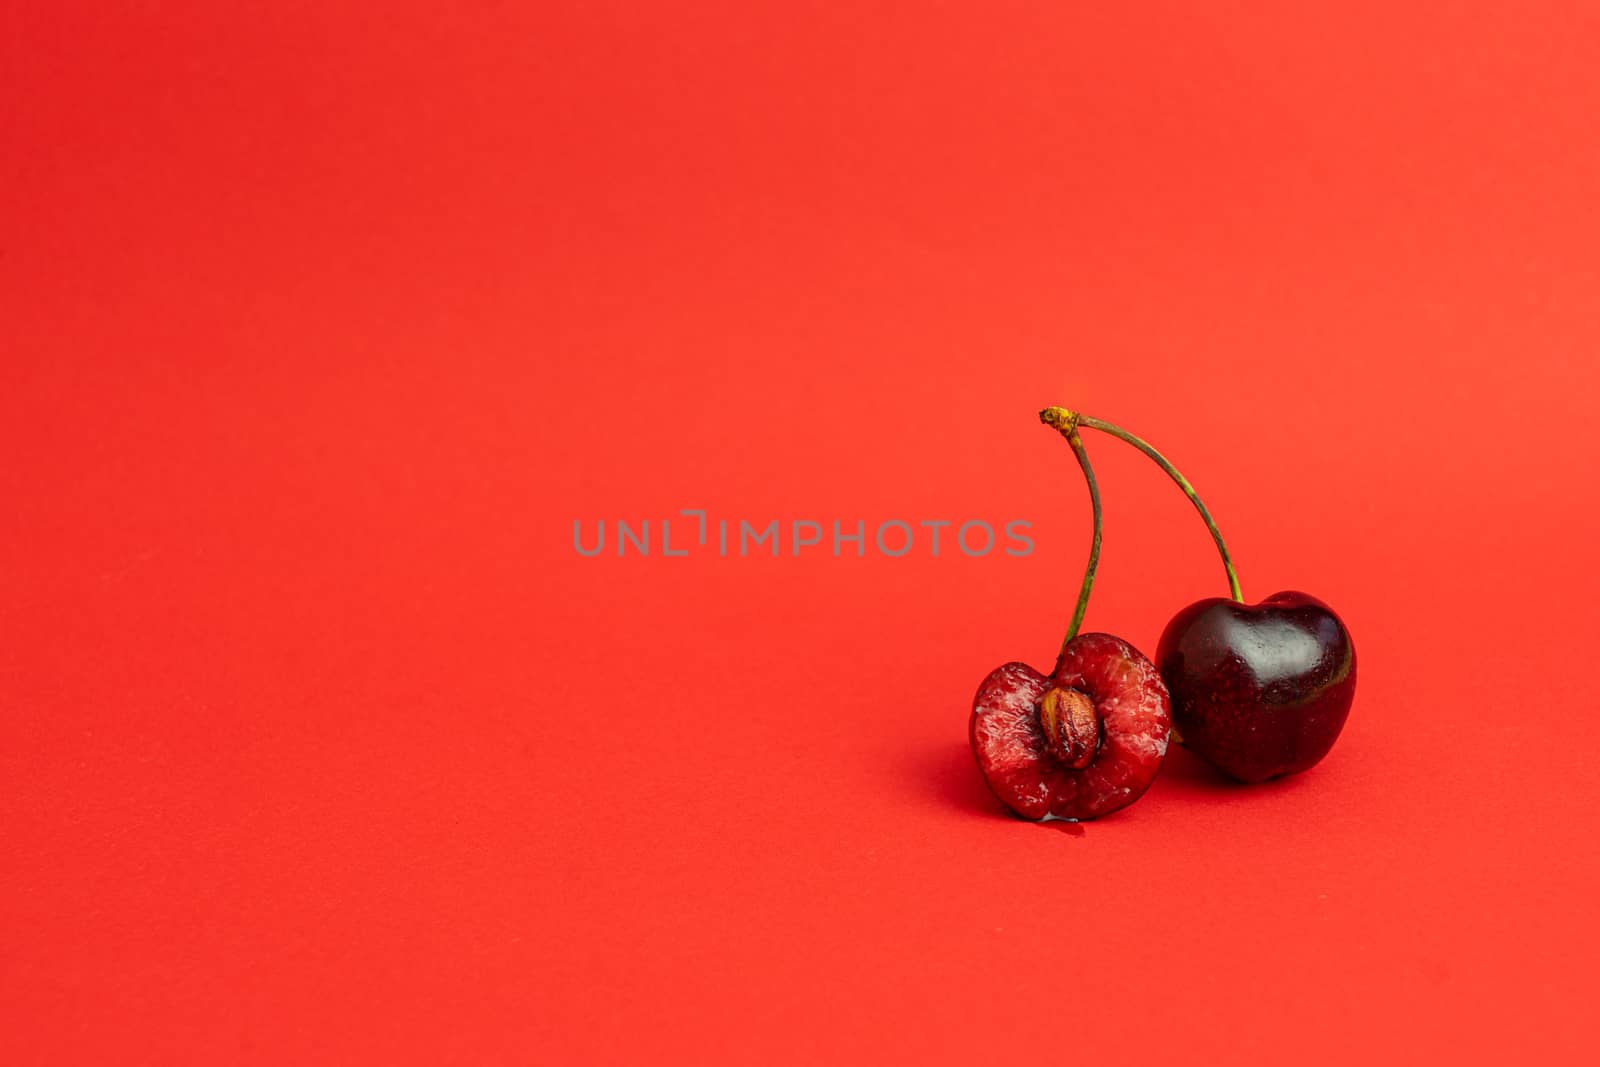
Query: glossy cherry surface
(1259, 690)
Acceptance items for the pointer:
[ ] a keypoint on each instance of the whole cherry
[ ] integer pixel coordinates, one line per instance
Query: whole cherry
(1258, 690)
(1087, 739)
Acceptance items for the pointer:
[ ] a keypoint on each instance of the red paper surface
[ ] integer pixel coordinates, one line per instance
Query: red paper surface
(319, 742)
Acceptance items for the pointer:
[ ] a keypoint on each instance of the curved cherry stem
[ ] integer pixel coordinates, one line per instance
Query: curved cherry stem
(1070, 432)
(1094, 545)
(1144, 446)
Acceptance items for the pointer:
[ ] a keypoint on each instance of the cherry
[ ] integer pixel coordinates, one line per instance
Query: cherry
(1081, 743)
(1257, 690)
(1089, 738)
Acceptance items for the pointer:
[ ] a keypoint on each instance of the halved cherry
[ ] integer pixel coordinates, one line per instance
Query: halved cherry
(1089, 739)
(1080, 744)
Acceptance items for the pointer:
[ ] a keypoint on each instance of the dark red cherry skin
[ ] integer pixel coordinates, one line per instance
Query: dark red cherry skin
(1259, 690)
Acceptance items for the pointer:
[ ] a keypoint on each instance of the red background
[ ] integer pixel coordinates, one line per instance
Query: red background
(320, 326)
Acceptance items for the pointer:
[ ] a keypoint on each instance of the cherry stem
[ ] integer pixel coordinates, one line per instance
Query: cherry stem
(1070, 432)
(1078, 419)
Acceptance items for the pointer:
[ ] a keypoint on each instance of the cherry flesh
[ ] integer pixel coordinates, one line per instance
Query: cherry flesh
(1259, 690)
(1081, 743)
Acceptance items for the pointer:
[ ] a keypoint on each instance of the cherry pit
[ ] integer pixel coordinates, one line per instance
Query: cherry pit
(1256, 690)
